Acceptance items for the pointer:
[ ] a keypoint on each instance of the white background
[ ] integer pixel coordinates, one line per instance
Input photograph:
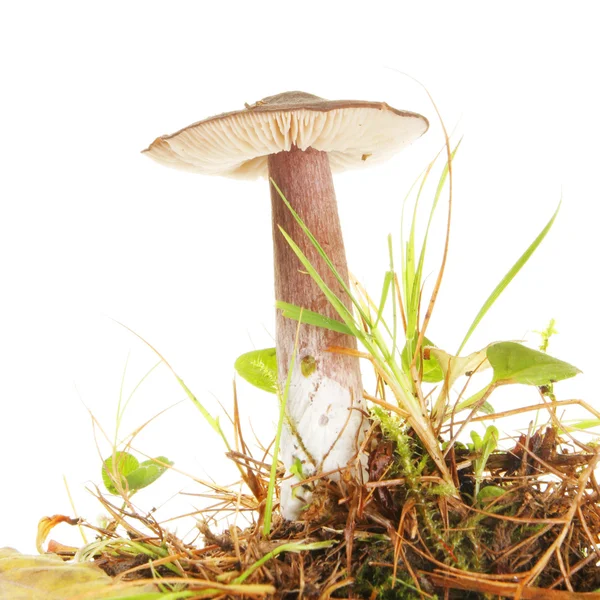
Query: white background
(91, 230)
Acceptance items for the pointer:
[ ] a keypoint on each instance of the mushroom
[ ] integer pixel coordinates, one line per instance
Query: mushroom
(297, 140)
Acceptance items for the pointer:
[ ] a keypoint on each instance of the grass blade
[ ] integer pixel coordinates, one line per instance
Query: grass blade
(280, 425)
(212, 421)
(321, 252)
(333, 299)
(291, 311)
(508, 278)
(289, 547)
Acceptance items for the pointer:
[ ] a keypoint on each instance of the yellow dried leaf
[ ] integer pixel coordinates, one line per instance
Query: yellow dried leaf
(48, 577)
(46, 525)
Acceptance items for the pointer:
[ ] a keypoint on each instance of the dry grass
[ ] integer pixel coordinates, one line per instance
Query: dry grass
(395, 535)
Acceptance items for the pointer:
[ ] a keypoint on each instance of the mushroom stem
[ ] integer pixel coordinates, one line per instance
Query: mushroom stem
(324, 405)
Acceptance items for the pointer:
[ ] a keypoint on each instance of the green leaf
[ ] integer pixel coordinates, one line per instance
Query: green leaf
(259, 368)
(133, 475)
(489, 493)
(432, 371)
(452, 368)
(508, 278)
(477, 441)
(490, 439)
(296, 469)
(147, 472)
(484, 447)
(584, 424)
(116, 467)
(515, 363)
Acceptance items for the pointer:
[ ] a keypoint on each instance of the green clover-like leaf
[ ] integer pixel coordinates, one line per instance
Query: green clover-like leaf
(133, 475)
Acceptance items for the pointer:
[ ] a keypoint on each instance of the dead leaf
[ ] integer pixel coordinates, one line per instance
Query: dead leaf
(48, 577)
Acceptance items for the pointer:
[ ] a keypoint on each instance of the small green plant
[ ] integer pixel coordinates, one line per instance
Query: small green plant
(483, 447)
(123, 473)
(546, 334)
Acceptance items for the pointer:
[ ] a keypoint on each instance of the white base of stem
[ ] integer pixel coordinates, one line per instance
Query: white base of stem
(325, 430)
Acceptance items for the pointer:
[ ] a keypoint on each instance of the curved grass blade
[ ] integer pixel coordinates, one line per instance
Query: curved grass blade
(288, 547)
(486, 408)
(280, 425)
(212, 421)
(291, 311)
(322, 253)
(508, 278)
(387, 281)
(333, 299)
(580, 425)
(417, 275)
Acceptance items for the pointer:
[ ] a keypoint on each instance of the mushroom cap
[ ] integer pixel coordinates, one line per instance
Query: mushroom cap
(354, 133)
